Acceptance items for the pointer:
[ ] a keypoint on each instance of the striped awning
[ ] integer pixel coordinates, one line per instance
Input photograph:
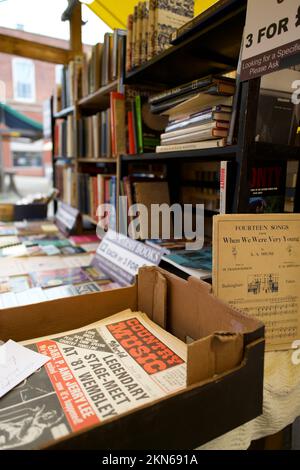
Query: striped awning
(17, 124)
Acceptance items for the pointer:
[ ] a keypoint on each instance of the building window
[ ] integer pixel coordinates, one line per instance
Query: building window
(24, 80)
(25, 159)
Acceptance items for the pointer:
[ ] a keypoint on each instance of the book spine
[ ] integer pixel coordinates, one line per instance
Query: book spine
(108, 133)
(134, 36)
(131, 145)
(115, 55)
(134, 124)
(196, 22)
(144, 40)
(187, 87)
(151, 29)
(129, 43)
(223, 187)
(139, 25)
(118, 131)
(139, 125)
(190, 146)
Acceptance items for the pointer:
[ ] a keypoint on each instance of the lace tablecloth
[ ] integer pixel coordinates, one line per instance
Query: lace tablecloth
(281, 404)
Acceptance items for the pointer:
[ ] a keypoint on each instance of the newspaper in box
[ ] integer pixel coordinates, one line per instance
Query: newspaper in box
(94, 374)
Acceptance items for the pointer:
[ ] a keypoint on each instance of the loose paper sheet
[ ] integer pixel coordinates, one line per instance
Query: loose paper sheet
(16, 364)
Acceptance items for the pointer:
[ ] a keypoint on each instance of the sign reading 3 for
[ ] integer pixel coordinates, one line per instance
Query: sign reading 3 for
(271, 38)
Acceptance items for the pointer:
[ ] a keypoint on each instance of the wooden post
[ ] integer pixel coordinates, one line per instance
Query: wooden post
(75, 30)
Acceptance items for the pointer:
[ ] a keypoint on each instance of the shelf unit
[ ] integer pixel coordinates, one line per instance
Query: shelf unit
(214, 154)
(97, 101)
(213, 49)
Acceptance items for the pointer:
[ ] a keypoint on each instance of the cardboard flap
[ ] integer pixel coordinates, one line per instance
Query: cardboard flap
(199, 284)
(152, 295)
(212, 356)
(228, 351)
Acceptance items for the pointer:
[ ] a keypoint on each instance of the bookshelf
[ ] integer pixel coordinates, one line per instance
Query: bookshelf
(215, 154)
(97, 101)
(212, 49)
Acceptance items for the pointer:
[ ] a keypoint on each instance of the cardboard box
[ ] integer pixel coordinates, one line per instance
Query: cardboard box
(224, 368)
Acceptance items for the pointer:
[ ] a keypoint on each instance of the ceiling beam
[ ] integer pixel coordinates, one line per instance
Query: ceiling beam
(33, 50)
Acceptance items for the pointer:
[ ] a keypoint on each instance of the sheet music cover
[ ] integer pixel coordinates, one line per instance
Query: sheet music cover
(256, 268)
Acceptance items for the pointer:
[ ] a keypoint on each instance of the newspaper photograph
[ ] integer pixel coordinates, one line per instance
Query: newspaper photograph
(94, 374)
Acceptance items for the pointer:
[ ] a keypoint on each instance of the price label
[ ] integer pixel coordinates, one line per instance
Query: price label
(271, 37)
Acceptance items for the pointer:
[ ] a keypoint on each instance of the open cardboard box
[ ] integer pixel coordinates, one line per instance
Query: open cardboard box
(224, 370)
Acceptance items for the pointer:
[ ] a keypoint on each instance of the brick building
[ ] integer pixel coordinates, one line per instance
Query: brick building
(24, 85)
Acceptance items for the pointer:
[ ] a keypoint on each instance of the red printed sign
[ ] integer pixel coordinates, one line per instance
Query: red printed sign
(75, 405)
(147, 350)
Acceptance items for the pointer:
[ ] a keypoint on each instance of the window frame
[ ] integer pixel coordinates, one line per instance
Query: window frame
(15, 62)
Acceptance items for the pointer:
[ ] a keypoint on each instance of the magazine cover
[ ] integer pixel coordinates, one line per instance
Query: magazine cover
(95, 373)
(59, 277)
(14, 284)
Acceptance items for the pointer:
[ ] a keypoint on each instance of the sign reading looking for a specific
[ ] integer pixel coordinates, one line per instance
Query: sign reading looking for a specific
(271, 37)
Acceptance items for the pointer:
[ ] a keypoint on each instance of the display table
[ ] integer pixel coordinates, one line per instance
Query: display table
(281, 404)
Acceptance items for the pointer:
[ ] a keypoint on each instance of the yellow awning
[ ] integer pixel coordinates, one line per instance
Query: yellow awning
(114, 13)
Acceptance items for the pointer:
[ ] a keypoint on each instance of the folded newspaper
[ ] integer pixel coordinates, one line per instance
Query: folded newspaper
(95, 373)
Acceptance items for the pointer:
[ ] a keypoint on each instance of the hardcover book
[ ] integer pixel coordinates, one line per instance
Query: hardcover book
(267, 187)
(169, 16)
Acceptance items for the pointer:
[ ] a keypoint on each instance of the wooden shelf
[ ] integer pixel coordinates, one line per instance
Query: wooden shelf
(99, 100)
(64, 112)
(215, 154)
(212, 50)
(97, 160)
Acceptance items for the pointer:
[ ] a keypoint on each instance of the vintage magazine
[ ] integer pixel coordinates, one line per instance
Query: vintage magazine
(95, 373)
(256, 268)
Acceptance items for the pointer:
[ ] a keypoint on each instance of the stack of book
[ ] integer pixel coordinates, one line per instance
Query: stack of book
(65, 182)
(144, 127)
(68, 90)
(150, 27)
(64, 137)
(94, 136)
(199, 113)
(106, 62)
(95, 190)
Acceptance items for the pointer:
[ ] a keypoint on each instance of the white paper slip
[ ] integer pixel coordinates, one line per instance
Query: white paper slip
(16, 364)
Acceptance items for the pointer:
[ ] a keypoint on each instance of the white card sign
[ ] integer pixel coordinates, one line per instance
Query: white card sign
(271, 37)
(121, 257)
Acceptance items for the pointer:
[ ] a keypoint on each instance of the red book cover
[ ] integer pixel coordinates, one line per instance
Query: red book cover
(107, 190)
(131, 142)
(56, 140)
